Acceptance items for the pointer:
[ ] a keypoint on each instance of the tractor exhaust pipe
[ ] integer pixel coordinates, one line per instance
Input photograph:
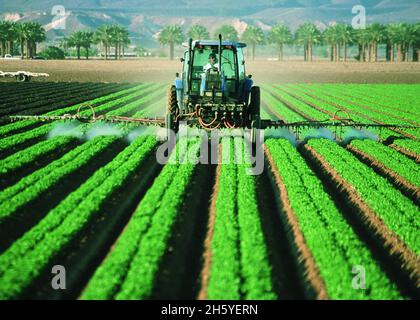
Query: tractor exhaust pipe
(189, 75)
(220, 52)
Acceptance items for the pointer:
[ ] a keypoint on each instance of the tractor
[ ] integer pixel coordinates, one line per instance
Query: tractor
(221, 96)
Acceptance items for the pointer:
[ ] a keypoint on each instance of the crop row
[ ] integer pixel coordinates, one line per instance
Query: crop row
(13, 90)
(130, 270)
(37, 98)
(368, 114)
(331, 241)
(328, 108)
(10, 128)
(239, 259)
(390, 158)
(31, 186)
(392, 97)
(26, 260)
(24, 157)
(375, 191)
(409, 145)
(37, 133)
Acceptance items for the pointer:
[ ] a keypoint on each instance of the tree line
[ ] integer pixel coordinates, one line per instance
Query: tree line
(399, 39)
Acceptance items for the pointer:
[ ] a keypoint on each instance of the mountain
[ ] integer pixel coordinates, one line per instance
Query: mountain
(145, 18)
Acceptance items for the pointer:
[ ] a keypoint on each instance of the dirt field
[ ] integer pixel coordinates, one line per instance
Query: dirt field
(262, 71)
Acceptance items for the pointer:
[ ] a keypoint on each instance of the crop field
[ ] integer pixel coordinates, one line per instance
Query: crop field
(334, 215)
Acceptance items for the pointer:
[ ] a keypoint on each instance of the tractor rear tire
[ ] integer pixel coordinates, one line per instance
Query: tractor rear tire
(254, 116)
(254, 105)
(171, 121)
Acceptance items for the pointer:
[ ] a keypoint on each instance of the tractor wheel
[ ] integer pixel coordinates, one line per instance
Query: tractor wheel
(171, 122)
(254, 105)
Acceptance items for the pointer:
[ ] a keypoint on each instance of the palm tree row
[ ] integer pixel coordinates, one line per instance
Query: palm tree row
(106, 36)
(400, 37)
(27, 34)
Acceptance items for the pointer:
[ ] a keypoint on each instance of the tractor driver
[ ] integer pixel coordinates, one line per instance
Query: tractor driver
(212, 63)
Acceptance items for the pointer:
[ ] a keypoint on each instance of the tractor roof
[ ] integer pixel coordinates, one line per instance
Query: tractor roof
(216, 43)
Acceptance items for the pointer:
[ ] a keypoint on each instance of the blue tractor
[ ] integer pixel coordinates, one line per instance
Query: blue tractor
(213, 91)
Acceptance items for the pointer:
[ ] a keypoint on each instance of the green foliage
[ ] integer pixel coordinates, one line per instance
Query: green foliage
(375, 190)
(28, 257)
(240, 268)
(334, 245)
(129, 272)
(228, 33)
(198, 32)
(52, 53)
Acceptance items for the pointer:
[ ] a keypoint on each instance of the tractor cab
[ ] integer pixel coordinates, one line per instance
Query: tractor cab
(213, 72)
(212, 90)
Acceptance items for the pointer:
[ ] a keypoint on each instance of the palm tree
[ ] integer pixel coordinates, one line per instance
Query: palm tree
(103, 36)
(4, 29)
(198, 32)
(416, 44)
(280, 35)
(87, 40)
(330, 36)
(362, 37)
(402, 35)
(344, 37)
(22, 31)
(253, 35)
(76, 40)
(228, 33)
(308, 35)
(34, 33)
(377, 34)
(171, 35)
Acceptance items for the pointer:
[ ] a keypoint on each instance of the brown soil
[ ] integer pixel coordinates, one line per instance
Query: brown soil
(147, 70)
(312, 271)
(207, 255)
(391, 242)
(409, 189)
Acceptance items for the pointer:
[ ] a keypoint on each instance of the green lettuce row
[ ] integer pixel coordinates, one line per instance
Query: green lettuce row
(372, 114)
(225, 272)
(383, 133)
(22, 124)
(391, 159)
(396, 211)
(255, 266)
(333, 243)
(403, 98)
(279, 107)
(24, 157)
(28, 257)
(409, 145)
(130, 270)
(43, 130)
(239, 267)
(31, 186)
(311, 112)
